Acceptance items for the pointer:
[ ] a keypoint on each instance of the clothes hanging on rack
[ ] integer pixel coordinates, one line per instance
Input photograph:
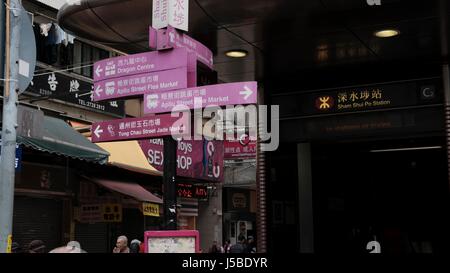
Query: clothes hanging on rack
(45, 28)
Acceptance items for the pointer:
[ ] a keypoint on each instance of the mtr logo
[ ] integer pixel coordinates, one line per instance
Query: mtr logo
(324, 103)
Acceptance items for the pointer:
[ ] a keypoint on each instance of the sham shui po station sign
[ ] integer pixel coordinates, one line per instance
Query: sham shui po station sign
(360, 99)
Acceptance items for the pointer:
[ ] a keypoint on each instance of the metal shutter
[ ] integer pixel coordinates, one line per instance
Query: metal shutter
(92, 237)
(37, 219)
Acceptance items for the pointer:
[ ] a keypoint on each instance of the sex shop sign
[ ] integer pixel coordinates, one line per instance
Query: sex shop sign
(197, 159)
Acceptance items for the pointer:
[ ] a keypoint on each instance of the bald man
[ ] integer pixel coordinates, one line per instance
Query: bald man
(121, 245)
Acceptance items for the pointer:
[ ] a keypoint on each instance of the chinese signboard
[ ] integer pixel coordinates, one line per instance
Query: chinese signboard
(90, 213)
(191, 191)
(171, 38)
(138, 128)
(72, 90)
(149, 209)
(140, 63)
(140, 84)
(195, 158)
(112, 213)
(359, 99)
(219, 94)
(171, 12)
(240, 149)
(95, 213)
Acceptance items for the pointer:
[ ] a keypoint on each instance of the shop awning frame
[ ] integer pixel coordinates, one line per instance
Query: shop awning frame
(131, 189)
(61, 139)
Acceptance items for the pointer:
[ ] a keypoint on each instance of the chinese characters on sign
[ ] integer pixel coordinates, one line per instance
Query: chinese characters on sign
(140, 63)
(138, 128)
(236, 149)
(112, 213)
(149, 209)
(96, 213)
(171, 38)
(361, 99)
(170, 12)
(240, 93)
(61, 86)
(358, 99)
(140, 84)
(191, 191)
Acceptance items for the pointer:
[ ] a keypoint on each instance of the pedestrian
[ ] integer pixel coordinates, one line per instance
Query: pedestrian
(216, 248)
(71, 247)
(121, 245)
(239, 247)
(226, 246)
(251, 245)
(15, 248)
(36, 246)
(135, 246)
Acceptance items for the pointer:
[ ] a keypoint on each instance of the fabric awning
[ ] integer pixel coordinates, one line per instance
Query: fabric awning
(59, 138)
(128, 155)
(128, 188)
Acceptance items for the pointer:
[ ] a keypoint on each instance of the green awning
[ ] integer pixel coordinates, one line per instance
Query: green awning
(61, 139)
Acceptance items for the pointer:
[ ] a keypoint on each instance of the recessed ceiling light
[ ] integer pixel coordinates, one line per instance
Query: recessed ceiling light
(236, 53)
(386, 33)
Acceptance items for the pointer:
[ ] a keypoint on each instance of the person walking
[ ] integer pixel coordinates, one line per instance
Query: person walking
(240, 246)
(216, 248)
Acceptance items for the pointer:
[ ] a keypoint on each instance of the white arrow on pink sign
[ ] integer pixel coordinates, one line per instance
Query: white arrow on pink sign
(138, 128)
(141, 84)
(239, 93)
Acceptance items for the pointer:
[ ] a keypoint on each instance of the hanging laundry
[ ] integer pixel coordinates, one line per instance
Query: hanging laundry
(60, 34)
(45, 28)
(70, 38)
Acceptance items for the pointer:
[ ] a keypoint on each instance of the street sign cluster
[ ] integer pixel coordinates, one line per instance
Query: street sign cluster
(164, 78)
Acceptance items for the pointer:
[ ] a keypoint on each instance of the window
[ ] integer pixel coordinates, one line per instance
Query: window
(53, 50)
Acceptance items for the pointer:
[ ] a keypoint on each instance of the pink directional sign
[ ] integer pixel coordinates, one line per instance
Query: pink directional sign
(192, 70)
(218, 94)
(138, 128)
(140, 84)
(140, 63)
(198, 159)
(170, 37)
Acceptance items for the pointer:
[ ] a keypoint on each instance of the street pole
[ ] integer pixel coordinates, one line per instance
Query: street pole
(9, 124)
(169, 174)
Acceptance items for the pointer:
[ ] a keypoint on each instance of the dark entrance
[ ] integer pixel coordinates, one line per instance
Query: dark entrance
(391, 191)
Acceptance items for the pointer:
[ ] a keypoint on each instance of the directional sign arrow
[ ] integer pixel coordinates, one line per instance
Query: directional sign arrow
(98, 90)
(218, 94)
(98, 131)
(98, 71)
(246, 93)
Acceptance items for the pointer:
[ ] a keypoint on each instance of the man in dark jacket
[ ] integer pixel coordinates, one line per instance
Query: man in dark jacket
(240, 246)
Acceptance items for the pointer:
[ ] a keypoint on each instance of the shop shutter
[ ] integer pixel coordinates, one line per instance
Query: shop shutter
(93, 238)
(189, 207)
(37, 219)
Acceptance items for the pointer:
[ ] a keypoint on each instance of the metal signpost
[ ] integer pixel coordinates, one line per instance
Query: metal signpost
(9, 124)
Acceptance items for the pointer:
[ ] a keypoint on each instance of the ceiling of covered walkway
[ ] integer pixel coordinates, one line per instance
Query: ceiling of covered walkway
(293, 45)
